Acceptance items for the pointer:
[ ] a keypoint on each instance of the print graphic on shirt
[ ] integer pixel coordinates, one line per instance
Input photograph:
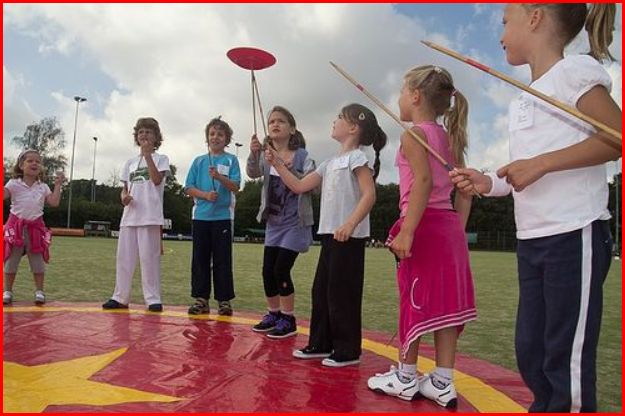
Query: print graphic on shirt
(282, 202)
(140, 175)
(412, 300)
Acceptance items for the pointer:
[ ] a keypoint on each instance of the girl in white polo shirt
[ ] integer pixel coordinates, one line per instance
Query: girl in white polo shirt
(558, 179)
(140, 227)
(25, 231)
(347, 195)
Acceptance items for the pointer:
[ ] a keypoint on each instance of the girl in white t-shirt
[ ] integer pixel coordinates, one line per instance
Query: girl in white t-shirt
(141, 224)
(347, 196)
(558, 179)
(25, 231)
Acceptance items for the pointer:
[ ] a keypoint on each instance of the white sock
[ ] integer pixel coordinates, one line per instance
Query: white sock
(442, 377)
(290, 313)
(407, 372)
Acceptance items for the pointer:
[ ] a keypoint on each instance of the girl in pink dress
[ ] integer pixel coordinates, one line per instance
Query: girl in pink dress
(435, 284)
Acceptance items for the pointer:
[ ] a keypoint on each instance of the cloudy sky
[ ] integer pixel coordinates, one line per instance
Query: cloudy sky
(168, 61)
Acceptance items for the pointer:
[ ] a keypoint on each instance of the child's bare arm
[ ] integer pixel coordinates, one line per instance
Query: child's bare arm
(595, 150)
(367, 199)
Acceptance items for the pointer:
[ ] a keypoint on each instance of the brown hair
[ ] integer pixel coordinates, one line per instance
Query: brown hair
(151, 124)
(219, 124)
(437, 87)
(572, 17)
(297, 139)
(371, 134)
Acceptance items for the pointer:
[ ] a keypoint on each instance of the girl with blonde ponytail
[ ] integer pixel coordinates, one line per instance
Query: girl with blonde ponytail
(435, 283)
(558, 179)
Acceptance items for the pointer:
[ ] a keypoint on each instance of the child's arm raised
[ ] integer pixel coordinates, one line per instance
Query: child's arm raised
(298, 186)
(155, 176)
(419, 193)
(54, 199)
(595, 150)
(252, 167)
(367, 199)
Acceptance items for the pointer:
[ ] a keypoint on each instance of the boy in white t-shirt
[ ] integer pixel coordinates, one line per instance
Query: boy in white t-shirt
(140, 227)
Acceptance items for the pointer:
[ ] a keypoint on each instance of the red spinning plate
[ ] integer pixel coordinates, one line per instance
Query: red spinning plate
(251, 58)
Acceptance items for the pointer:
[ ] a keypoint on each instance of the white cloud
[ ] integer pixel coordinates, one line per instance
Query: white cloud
(16, 111)
(169, 61)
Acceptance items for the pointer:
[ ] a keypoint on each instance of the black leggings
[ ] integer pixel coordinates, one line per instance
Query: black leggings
(277, 265)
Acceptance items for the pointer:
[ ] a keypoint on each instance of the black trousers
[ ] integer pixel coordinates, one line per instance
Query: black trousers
(335, 323)
(559, 316)
(212, 255)
(277, 265)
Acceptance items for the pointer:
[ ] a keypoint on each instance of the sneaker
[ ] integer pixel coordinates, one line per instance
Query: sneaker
(338, 362)
(267, 323)
(445, 397)
(40, 297)
(390, 384)
(199, 307)
(155, 307)
(285, 327)
(113, 304)
(225, 308)
(7, 297)
(309, 352)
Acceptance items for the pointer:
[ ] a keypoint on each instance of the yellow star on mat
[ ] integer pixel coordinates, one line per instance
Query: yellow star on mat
(33, 388)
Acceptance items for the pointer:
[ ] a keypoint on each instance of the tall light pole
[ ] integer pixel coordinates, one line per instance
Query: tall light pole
(71, 168)
(95, 147)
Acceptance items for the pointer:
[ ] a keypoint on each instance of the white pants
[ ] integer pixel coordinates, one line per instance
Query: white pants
(143, 242)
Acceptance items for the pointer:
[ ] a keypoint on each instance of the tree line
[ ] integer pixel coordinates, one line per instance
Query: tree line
(491, 221)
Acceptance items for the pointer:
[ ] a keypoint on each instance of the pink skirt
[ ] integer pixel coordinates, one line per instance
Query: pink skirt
(435, 283)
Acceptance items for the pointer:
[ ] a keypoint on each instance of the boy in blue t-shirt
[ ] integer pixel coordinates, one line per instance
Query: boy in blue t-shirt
(212, 180)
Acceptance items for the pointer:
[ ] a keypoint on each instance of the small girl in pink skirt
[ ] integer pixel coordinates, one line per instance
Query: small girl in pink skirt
(435, 284)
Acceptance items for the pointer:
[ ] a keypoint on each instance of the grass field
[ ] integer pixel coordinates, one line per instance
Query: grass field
(83, 269)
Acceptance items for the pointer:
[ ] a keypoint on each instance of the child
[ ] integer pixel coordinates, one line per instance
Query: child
(347, 196)
(558, 181)
(434, 278)
(212, 180)
(140, 228)
(25, 232)
(289, 219)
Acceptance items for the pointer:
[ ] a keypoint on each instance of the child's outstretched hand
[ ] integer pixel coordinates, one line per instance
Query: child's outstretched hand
(522, 173)
(468, 181)
(59, 178)
(344, 232)
(210, 196)
(401, 245)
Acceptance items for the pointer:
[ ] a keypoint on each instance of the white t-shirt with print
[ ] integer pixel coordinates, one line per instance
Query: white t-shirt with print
(340, 193)
(146, 207)
(567, 200)
(27, 201)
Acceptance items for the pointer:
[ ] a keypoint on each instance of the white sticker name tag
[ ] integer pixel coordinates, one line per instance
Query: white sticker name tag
(223, 169)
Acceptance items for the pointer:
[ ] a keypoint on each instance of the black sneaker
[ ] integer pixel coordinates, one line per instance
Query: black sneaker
(155, 307)
(199, 307)
(309, 352)
(267, 323)
(225, 308)
(285, 327)
(113, 304)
